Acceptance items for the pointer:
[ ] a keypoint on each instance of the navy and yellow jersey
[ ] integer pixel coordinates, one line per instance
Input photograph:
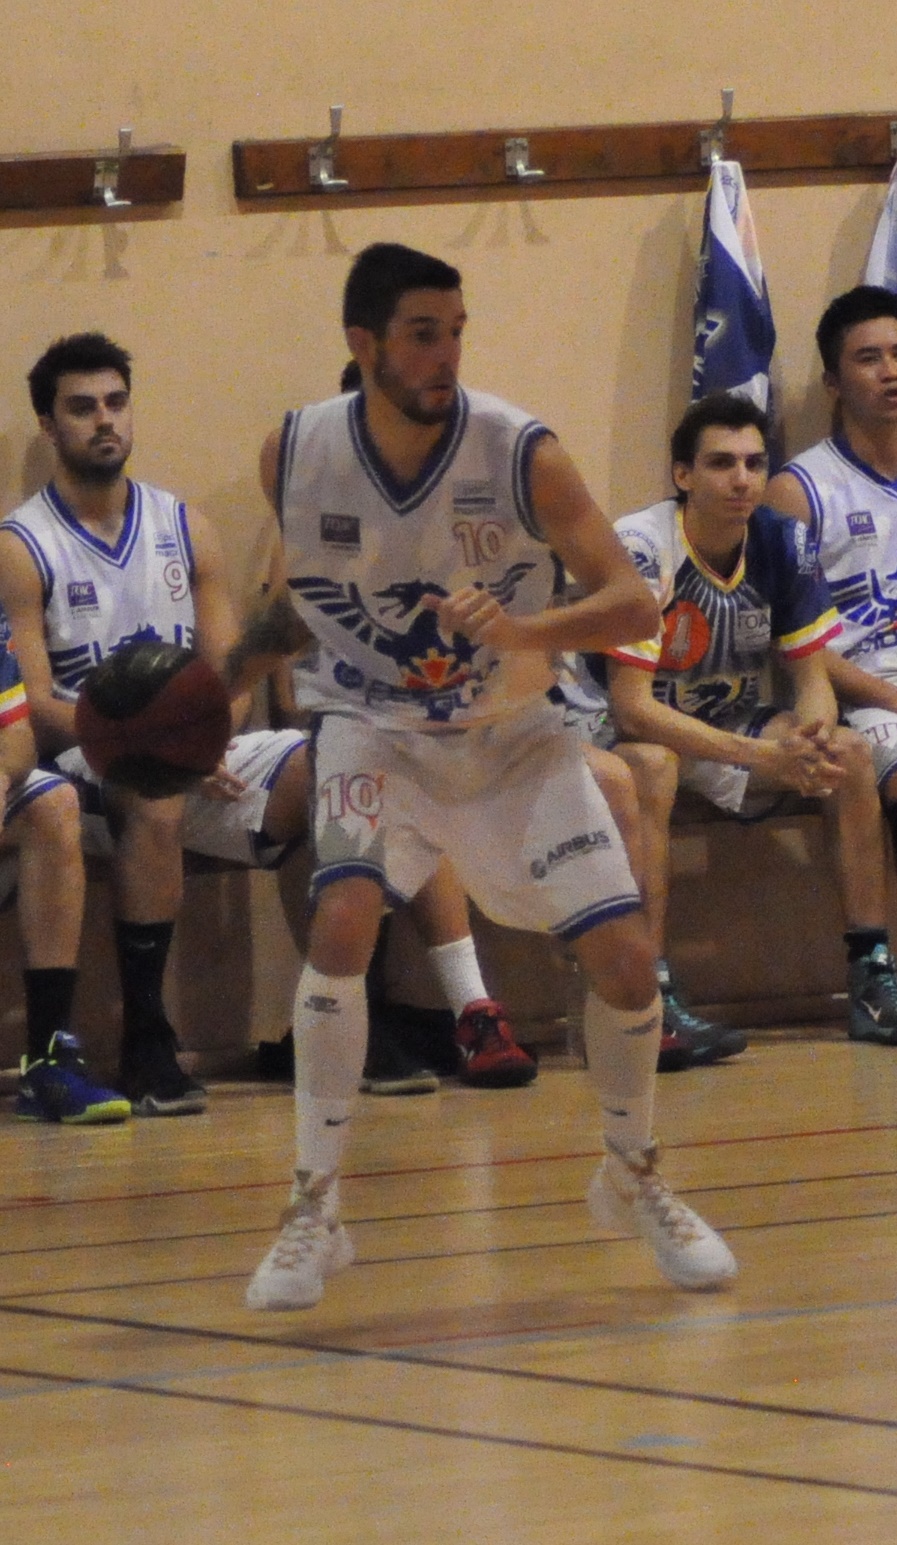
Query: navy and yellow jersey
(716, 634)
(13, 705)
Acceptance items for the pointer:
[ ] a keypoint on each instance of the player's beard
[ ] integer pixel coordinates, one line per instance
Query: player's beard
(408, 399)
(93, 474)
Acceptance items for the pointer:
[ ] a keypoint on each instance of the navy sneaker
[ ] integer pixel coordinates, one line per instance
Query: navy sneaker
(57, 1087)
(154, 1079)
(872, 997)
(695, 1040)
(388, 1069)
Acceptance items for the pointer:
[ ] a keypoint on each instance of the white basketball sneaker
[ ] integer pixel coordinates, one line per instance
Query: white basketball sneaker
(312, 1245)
(627, 1194)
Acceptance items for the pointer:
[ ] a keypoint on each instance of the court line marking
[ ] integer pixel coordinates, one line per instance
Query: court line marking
(14, 1204)
(429, 1360)
(471, 1435)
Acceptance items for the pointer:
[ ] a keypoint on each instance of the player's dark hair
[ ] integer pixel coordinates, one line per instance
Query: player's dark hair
(81, 353)
(350, 380)
(718, 408)
(379, 278)
(864, 303)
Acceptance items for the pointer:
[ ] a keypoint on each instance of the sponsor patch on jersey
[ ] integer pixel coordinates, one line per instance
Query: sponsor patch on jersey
(752, 629)
(574, 847)
(82, 594)
(166, 543)
(470, 494)
(644, 553)
(341, 531)
(860, 523)
(806, 550)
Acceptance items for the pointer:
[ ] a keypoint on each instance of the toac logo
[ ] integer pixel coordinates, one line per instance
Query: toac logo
(82, 592)
(341, 531)
(752, 629)
(860, 523)
(574, 847)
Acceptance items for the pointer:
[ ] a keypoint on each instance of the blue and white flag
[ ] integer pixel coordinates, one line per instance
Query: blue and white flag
(734, 332)
(881, 265)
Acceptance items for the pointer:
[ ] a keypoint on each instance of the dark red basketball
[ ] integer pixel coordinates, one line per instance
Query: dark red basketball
(153, 717)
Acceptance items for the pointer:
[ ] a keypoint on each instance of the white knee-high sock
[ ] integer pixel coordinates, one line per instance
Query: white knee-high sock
(621, 1049)
(330, 1039)
(458, 971)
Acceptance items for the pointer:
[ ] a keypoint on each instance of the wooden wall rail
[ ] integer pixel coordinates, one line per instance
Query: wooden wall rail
(390, 163)
(68, 179)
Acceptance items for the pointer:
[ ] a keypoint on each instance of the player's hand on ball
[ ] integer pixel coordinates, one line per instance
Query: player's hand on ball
(223, 786)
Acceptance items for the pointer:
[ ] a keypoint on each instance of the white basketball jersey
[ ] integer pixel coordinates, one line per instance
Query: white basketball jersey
(98, 598)
(362, 551)
(854, 523)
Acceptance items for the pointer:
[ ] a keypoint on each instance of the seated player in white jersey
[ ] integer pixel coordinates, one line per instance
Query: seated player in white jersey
(40, 857)
(736, 581)
(845, 489)
(421, 523)
(92, 561)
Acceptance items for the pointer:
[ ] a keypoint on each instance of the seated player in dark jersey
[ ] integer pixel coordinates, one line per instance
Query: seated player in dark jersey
(736, 582)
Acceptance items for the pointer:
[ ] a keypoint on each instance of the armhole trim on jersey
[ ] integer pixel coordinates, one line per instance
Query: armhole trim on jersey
(285, 454)
(813, 499)
(180, 515)
(530, 436)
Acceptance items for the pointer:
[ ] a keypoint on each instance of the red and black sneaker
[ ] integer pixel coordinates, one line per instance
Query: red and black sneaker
(489, 1056)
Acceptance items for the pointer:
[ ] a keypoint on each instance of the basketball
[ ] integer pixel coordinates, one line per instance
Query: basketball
(154, 718)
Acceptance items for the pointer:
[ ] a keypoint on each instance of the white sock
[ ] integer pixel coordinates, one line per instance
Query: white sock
(458, 972)
(621, 1050)
(330, 1038)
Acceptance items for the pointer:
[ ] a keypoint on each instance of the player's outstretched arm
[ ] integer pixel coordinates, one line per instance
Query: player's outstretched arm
(21, 596)
(272, 631)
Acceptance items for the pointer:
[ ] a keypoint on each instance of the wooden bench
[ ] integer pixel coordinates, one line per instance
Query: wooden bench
(754, 938)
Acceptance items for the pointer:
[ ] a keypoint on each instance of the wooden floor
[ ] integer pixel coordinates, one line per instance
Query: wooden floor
(493, 1370)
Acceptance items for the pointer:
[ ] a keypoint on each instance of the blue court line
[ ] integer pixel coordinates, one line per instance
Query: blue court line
(470, 1435)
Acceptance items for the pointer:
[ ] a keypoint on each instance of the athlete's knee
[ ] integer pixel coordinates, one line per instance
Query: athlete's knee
(345, 924)
(51, 820)
(655, 770)
(157, 821)
(618, 960)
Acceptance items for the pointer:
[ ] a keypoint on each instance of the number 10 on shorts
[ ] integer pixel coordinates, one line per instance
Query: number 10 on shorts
(355, 794)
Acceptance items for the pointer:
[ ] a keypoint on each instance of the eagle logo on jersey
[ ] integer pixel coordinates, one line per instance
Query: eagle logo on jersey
(861, 598)
(424, 660)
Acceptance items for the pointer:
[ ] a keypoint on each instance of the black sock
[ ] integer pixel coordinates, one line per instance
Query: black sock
(49, 991)
(862, 941)
(142, 950)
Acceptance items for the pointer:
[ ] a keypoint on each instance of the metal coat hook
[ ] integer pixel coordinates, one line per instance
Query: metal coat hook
(320, 158)
(713, 141)
(107, 171)
(517, 161)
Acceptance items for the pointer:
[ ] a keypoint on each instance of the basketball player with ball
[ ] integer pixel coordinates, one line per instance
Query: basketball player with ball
(91, 564)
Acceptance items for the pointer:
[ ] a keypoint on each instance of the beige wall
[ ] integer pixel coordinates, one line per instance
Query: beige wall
(580, 307)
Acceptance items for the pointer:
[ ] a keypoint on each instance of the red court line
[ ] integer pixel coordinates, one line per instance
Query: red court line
(440, 1169)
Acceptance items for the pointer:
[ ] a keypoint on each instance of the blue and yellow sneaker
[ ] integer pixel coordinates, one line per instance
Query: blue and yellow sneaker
(57, 1088)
